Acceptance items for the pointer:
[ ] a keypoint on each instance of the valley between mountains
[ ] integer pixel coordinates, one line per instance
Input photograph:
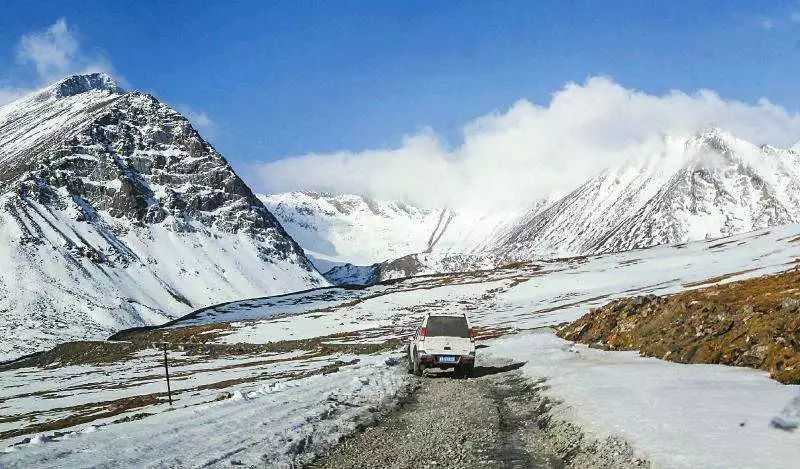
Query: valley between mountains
(280, 379)
(115, 203)
(703, 186)
(647, 318)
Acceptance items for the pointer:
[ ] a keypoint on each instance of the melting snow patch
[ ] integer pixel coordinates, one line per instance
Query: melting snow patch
(391, 361)
(289, 427)
(39, 439)
(789, 417)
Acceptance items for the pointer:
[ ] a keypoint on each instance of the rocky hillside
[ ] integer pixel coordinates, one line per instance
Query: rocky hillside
(751, 323)
(114, 212)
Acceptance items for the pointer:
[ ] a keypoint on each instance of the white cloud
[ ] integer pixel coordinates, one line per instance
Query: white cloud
(8, 94)
(766, 23)
(200, 121)
(530, 150)
(54, 52)
(795, 17)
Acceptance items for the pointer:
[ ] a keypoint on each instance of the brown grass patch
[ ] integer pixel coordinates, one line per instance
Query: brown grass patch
(196, 341)
(85, 413)
(753, 323)
(717, 279)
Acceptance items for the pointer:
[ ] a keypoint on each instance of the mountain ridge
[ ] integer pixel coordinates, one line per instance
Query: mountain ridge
(719, 186)
(115, 213)
(708, 185)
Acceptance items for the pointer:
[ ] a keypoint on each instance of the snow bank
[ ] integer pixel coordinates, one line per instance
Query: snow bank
(675, 415)
(286, 422)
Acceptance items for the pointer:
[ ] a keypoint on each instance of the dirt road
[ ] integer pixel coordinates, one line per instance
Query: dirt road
(496, 420)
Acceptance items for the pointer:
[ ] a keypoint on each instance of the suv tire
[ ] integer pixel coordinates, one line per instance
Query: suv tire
(469, 371)
(418, 369)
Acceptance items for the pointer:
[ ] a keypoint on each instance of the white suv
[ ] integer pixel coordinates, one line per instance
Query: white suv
(443, 341)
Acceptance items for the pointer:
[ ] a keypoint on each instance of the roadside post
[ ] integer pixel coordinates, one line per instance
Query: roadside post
(166, 370)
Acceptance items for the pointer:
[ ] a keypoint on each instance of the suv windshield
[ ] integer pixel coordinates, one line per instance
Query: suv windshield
(448, 326)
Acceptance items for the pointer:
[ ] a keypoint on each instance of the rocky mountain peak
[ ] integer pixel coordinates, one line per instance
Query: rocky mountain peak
(119, 190)
(77, 84)
(713, 139)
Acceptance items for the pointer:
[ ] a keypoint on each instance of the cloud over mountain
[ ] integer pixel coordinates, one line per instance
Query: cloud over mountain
(54, 52)
(532, 150)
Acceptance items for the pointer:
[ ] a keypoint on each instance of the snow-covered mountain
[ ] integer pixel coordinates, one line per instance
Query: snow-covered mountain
(344, 228)
(709, 185)
(340, 229)
(114, 212)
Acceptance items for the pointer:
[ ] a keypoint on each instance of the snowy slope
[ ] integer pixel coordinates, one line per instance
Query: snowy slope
(272, 422)
(346, 228)
(669, 412)
(709, 186)
(114, 212)
(674, 415)
(706, 186)
(335, 229)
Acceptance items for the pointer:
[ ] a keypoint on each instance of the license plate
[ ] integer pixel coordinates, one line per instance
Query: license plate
(447, 359)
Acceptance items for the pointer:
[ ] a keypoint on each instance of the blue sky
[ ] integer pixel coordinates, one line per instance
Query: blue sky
(290, 78)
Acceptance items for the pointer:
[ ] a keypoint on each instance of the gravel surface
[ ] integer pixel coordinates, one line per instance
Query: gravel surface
(497, 419)
(449, 423)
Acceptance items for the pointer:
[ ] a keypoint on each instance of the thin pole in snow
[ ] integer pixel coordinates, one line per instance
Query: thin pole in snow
(166, 372)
